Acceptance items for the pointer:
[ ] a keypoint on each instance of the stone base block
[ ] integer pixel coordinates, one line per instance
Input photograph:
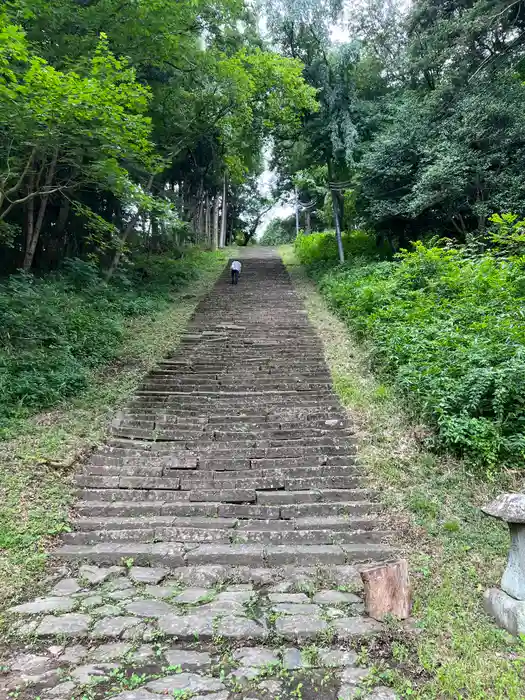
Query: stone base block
(508, 612)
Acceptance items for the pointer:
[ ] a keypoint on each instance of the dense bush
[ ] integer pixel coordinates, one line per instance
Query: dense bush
(322, 247)
(55, 329)
(447, 327)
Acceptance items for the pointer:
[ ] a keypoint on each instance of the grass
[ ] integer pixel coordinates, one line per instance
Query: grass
(36, 464)
(454, 552)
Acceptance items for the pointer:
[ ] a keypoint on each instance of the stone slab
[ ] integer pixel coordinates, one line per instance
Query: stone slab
(148, 608)
(146, 574)
(300, 627)
(185, 681)
(45, 605)
(113, 627)
(72, 625)
(188, 660)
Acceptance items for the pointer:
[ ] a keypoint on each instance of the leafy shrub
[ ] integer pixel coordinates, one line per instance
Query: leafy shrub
(448, 330)
(322, 247)
(56, 329)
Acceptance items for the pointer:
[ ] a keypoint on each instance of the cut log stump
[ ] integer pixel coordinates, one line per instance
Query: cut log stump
(387, 590)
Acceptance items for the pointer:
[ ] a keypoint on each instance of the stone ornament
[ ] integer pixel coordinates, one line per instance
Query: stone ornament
(507, 603)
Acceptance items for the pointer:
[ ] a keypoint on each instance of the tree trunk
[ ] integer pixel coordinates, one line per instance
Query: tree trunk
(61, 232)
(30, 223)
(63, 215)
(201, 223)
(307, 223)
(155, 234)
(129, 228)
(207, 225)
(215, 232)
(224, 220)
(32, 240)
(387, 590)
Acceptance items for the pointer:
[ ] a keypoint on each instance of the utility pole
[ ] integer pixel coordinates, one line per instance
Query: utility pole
(340, 248)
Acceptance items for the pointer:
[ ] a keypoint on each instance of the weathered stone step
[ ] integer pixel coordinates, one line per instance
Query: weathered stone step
(218, 476)
(186, 535)
(216, 456)
(141, 495)
(289, 452)
(92, 508)
(278, 482)
(339, 508)
(217, 495)
(264, 426)
(313, 496)
(295, 394)
(193, 404)
(166, 379)
(173, 554)
(195, 522)
(169, 554)
(86, 524)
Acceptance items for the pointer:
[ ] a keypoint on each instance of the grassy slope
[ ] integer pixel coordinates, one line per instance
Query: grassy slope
(36, 465)
(454, 552)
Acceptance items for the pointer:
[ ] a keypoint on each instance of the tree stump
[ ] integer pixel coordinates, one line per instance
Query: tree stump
(387, 590)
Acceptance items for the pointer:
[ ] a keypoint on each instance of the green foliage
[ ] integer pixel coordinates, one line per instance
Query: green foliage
(125, 135)
(506, 235)
(322, 247)
(88, 122)
(447, 329)
(55, 330)
(424, 172)
(278, 233)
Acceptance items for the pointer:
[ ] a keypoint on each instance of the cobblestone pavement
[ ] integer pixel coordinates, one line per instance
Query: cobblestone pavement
(218, 535)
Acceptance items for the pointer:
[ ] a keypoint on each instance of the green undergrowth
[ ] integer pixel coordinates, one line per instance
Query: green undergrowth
(433, 505)
(39, 448)
(56, 329)
(446, 328)
(322, 247)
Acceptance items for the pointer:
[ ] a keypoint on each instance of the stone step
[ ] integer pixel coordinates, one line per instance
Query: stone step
(313, 496)
(146, 488)
(86, 524)
(186, 535)
(216, 476)
(257, 458)
(142, 508)
(275, 398)
(173, 554)
(278, 482)
(340, 508)
(234, 383)
(143, 554)
(236, 423)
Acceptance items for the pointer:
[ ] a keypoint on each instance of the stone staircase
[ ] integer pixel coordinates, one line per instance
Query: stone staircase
(235, 451)
(217, 537)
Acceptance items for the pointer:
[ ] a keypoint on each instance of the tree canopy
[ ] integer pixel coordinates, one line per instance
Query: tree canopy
(133, 120)
(147, 121)
(419, 122)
